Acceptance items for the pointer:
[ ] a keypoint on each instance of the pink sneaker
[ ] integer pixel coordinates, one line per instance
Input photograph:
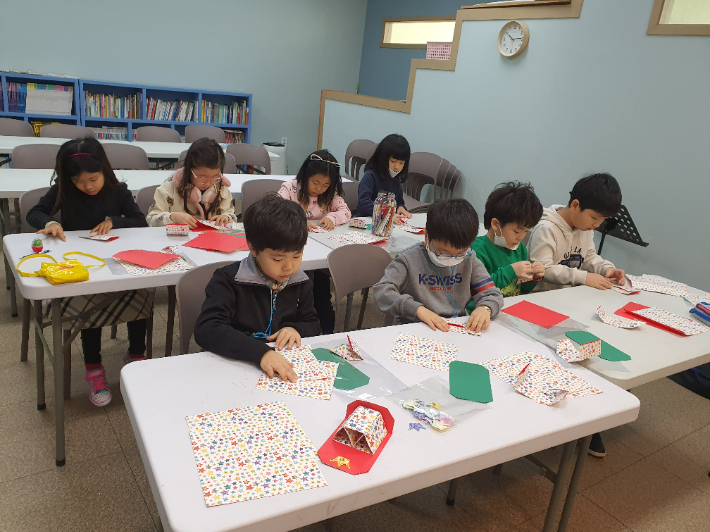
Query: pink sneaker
(99, 392)
(133, 358)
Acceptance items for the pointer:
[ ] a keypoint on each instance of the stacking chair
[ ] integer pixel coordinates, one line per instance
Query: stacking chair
(35, 156)
(65, 131)
(446, 181)
(251, 155)
(350, 189)
(191, 290)
(193, 133)
(256, 188)
(157, 134)
(144, 198)
(355, 267)
(423, 170)
(357, 154)
(12, 127)
(230, 166)
(126, 157)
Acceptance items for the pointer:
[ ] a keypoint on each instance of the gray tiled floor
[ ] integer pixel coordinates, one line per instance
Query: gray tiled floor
(654, 479)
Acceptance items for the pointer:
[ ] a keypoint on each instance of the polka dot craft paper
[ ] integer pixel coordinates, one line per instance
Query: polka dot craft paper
(687, 326)
(697, 298)
(364, 430)
(352, 237)
(424, 352)
(616, 321)
(456, 327)
(251, 453)
(569, 353)
(347, 352)
(315, 378)
(656, 283)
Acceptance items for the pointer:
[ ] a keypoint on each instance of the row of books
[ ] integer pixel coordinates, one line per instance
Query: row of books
(112, 106)
(178, 111)
(216, 113)
(111, 133)
(233, 137)
(40, 98)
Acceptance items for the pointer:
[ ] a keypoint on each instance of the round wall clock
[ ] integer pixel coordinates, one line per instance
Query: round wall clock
(513, 38)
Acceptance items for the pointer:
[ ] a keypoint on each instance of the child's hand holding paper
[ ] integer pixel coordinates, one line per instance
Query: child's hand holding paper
(273, 363)
(433, 320)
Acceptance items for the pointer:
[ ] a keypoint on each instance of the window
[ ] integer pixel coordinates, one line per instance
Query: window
(415, 32)
(680, 17)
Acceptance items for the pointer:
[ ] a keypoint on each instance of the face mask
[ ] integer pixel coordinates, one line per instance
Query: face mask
(393, 174)
(500, 241)
(448, 262)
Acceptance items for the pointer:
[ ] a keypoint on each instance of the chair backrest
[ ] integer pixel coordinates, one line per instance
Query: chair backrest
(190, 290)
(157, 134)
(35, 156)
(423, 170)
(350, 189)
(250, 154)
(12, 127)
(144, 198)
(254, 189)
(355, 267)
(65, 131)
(356, 155)
(28, 200)
(126, 157)
(193, 133)
(230, 165)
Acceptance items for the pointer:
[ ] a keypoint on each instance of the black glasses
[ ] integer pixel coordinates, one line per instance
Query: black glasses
(316, 157)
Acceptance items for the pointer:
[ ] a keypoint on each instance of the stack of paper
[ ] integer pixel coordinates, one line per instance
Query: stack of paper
(656, 283)
(424, 352)
(315, 378)
(678, 324)
(352, 237)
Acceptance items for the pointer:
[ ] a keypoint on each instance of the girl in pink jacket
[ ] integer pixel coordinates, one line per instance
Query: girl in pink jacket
(319, 190)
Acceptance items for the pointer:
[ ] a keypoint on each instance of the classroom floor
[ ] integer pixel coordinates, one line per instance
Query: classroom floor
(655, 477)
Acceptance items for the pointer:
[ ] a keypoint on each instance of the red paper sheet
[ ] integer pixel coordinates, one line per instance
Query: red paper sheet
(147, 259)
(214, 241)
(627, 312)
(203, 227)
(536, 314)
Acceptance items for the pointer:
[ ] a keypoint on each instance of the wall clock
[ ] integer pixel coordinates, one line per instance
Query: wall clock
(513, 38)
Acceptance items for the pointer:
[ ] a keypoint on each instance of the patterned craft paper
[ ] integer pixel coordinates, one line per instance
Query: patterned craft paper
(624, 290)
(656, 283)
(214, 225)
(363, 430)
(618, 321)
(416, 230)
(177, 229)
(424, 352)
(456, 327)
(103, 238)
(687, 326)
(357, 222)
(697, 298)
(347, 352)
(568, 352)
(318, 229)
(175, 265)
(351, 237)
(297, 355)
(249, 453)
(315, 378)
(544, 378)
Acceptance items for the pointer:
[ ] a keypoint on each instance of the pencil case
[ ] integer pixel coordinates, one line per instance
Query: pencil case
(178, 229)
(357, 222)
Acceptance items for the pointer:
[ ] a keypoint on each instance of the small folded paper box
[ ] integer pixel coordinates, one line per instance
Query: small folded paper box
(177, 229)
(357, 222)
(531, 383)
(359, 439)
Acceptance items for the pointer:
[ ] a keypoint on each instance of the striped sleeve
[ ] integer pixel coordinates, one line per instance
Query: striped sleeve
(485, 284)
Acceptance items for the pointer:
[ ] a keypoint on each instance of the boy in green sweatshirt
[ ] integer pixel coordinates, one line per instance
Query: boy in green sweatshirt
(512, 210)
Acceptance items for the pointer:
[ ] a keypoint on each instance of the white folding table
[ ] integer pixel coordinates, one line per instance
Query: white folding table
(102, 280)
(510, 427)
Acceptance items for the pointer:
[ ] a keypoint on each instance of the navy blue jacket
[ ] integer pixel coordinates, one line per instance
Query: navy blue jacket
(370, 185)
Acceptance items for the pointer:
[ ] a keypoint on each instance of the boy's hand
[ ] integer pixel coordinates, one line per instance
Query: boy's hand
(103, 228)
(479, 320)
(432, 319)
(272, 362)
(288, 336)
(184, 218)
(523, 270)
(327, 224)
(54, 230)
(220, 219)
(597, 281)
(538, 269)
(616, 275)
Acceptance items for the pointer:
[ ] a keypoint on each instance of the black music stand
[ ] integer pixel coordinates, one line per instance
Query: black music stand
(620, 226)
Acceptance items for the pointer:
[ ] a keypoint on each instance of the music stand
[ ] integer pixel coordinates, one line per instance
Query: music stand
(620, 226)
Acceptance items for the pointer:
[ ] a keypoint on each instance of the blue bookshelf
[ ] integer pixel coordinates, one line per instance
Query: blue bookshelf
(140, 107)
(22, 79)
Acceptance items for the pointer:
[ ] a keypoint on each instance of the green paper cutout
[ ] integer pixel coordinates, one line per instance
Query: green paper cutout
(348, 376)
(369, 227)
(470, 382)
(609, 352)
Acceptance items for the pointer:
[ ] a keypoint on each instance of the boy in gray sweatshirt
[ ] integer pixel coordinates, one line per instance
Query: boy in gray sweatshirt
(436, 279)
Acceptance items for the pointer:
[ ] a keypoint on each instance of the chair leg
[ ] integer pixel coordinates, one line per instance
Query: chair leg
(67, 364)
(338, 317)
(24, 347)
(149, 336)
(114, 331)
(364, 292)
(171, 321)
(348, 310)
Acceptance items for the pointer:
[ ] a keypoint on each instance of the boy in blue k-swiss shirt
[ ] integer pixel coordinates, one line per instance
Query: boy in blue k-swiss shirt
(436, 279)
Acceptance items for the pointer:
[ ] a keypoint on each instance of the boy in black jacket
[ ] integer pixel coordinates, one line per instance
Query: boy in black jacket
(266, 296)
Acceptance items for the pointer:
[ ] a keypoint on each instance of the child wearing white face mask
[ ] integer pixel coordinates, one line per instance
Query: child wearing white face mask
(511, 210)
(438, 278)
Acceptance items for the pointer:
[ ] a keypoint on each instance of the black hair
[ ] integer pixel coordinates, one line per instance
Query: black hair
(599, 192)
(513, 202)
(392, 146)
(311, 167)
(75, 157)
(203, 153)
(275, 223)
(452, 221)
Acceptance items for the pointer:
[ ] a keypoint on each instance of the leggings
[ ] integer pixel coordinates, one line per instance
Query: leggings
(91, 341)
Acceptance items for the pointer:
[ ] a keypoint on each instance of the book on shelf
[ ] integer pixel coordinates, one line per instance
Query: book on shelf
(233, 137)
(110, 133)
(112, 106)
(177, 111)
(217, 113)
(37, 98)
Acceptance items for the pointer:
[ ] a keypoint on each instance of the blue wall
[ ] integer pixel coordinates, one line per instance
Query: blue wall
(588, 95)
(283, 52)
(384, 71)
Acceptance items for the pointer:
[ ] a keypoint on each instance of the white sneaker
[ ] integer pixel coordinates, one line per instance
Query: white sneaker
(99, 392)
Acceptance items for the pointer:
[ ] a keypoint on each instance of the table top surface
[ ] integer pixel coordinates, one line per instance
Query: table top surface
(510, 427)
(166, 150)
(654, 353)
(102, 279)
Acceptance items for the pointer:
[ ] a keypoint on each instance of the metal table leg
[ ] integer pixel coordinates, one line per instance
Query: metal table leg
(451, 496)
(26, 317)
(558, 493)
(9, 279)
(574, 483)
(58, 352)
(39, 355)
(171, 321)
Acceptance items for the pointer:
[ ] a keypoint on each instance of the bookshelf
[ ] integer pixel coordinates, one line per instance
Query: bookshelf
(127, 107)
(10, 80)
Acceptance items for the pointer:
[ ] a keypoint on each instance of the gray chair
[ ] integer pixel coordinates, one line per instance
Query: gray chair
(191, 289)
(350, 194)
(230, 166)
(446, 181)
(126, 157)
(193, 133)
(144, 198)
(249, 154)
(256, 188)
(35, 156)
(157, 134)
(16, 128)
(423, 170)
(65, 131)
(356, 155)
(355, 267)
